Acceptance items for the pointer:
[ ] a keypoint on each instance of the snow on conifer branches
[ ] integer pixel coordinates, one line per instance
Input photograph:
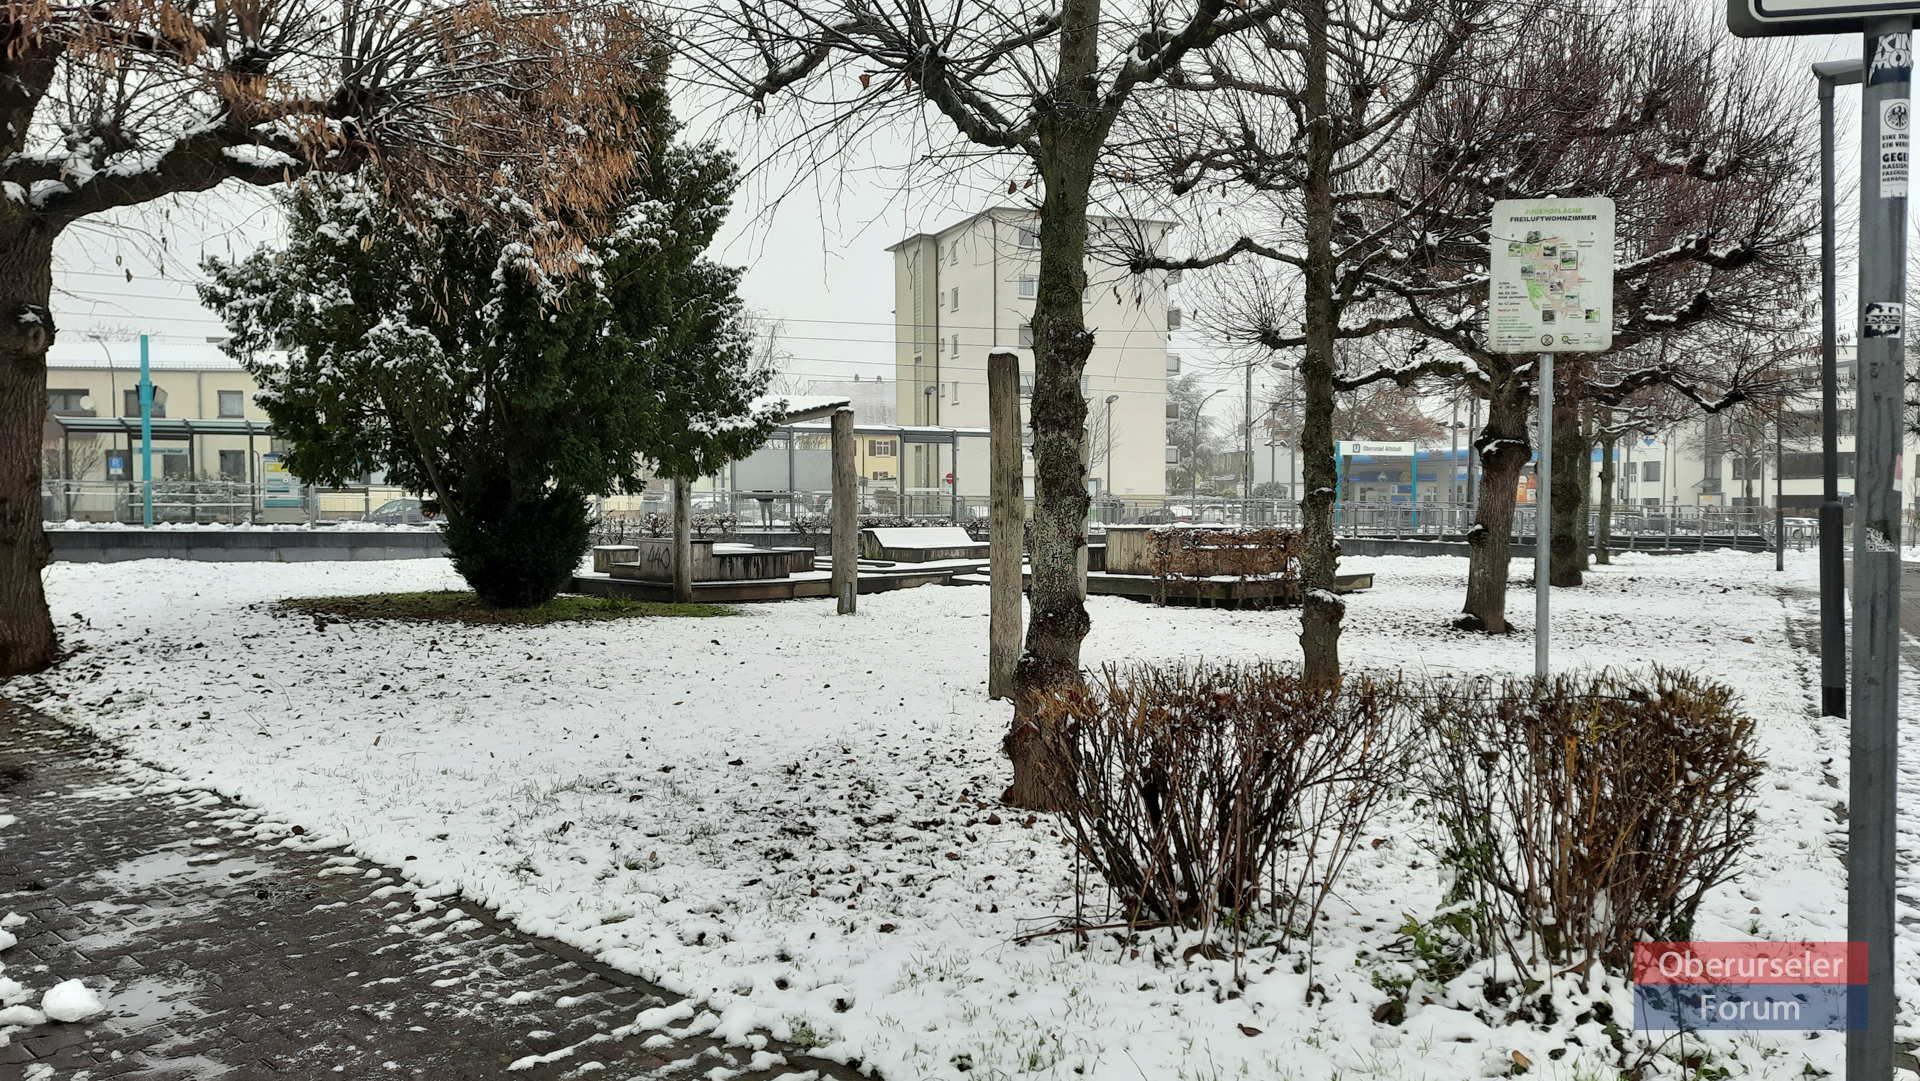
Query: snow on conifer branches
(507, 110)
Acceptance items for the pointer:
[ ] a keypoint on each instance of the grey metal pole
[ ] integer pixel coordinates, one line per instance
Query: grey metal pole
(1453, 464)
(1779, 510)
(1542, 517)
(1473, 456)
(1833, 572)
(1880, 370)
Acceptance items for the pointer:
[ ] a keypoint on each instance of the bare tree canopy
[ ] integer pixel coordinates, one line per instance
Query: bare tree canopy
(1642, 102)
(1043, 81)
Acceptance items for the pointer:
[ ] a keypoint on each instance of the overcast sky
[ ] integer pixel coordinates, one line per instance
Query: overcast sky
(814, 244)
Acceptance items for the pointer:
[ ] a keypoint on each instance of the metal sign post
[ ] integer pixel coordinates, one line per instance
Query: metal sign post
(1886, 27)
(1543, 523)
(1550, 290)
(1880, 376)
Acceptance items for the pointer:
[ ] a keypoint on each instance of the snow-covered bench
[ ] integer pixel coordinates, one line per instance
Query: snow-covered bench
(920, 544)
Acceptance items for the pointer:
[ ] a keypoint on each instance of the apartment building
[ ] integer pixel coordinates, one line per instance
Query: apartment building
(968, 290)
(192, 381)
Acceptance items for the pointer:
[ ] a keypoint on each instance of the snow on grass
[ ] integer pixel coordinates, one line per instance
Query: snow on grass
(790, 816)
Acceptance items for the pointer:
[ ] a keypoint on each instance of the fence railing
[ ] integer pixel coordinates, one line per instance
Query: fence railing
(215, 502)
(235, 502)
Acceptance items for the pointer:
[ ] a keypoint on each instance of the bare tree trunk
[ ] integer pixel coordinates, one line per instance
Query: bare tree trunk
(1568, 445)
(1321, 611)
(683, 541)
(27, 640)
(1071, 138)
(1603, 553)
(1504, 452)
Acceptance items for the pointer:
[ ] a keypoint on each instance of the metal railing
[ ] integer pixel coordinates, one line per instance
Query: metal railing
(1671, 526)
(208, 502)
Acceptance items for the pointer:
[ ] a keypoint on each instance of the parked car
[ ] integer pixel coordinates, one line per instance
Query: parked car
(399, 512)
(1165, 515)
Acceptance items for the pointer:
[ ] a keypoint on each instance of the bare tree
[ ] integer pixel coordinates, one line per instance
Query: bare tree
(107, 105)
(770, 353)
(1707, 167)
(1043, 81)
(1295, 122)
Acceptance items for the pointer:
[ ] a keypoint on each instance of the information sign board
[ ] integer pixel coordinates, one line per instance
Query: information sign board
(1551, 276)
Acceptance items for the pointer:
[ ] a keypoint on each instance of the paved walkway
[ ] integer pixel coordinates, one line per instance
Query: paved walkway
(220, 956)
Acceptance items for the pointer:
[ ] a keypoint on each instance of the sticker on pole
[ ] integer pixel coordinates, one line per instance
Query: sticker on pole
(1892, 59)
(1550, 281)
(1883, 319)
(1896, 120)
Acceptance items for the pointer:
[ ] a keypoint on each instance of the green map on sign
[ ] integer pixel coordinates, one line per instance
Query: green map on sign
(1550, 267)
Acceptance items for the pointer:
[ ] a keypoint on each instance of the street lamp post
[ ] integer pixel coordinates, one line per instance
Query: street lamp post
(1833, 627)
(1111, 398)
(1193, 462)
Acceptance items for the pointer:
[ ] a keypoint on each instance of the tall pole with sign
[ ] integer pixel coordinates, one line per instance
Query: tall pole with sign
(1543, 523)
(1886, 27)
(1880, 376)
(1550, 290)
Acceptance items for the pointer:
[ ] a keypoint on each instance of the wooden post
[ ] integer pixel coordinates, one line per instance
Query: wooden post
(846, 584)
(682, 540)
(1007, 521)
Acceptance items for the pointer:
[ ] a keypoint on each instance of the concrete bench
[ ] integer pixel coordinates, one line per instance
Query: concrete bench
(920, 544)
(712, 562)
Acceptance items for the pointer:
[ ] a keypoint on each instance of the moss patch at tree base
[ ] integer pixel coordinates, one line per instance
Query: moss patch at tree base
(460, 606)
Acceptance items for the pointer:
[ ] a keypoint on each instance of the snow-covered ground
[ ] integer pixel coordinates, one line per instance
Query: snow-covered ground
(790, 816)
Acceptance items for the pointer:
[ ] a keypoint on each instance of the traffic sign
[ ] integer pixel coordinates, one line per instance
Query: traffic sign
(1791, 18)
(1550, 276)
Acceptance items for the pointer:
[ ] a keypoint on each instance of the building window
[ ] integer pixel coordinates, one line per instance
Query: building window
(1029, 287)
(1173, 277)
(233, 465)
(1173, 455)
(1026, 384)
(956, 392)
(132, 402)
(174, 465)
(1629, 471)
(67, 402)
(1173, 409)
(1026, 335)
(953, 253)
(1085, 381)
(956, 345)
(233, 403)
(1173, 364)
(882, 448)
(1173, 318)
(1029, 238)
(1650, 471)
(1806, 465)
(954, 303)
(1749, 469)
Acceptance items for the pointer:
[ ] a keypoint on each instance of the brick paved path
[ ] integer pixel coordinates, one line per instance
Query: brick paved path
(219, 956)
